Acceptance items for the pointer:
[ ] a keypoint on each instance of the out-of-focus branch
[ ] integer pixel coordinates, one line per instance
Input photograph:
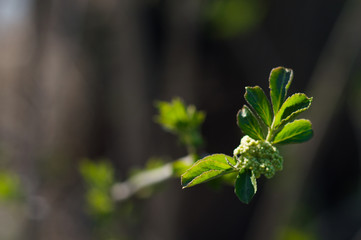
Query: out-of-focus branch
(327, 86)
(124, 190)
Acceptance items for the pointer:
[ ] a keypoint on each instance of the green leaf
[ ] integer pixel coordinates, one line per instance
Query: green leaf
(293, 105)
(249, 124)
(175, 116)
(207, 169)
(295, 132)
(181, 120)
(245, 186)
(256, 97)
(279, 81)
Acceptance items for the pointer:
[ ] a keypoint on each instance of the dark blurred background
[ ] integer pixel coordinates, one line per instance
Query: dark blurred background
(79, 80)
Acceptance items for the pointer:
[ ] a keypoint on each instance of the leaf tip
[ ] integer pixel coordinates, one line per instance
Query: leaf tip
(185, 185)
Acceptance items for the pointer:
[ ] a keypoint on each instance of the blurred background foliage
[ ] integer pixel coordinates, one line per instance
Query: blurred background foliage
(98, 178)
(229, 18)
(79, 80)
(183, 121)
(10, 186)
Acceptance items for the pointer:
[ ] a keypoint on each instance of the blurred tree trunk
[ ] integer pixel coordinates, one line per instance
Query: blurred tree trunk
(181, 49)
(128, 96)
(179, 73)
(44, 121)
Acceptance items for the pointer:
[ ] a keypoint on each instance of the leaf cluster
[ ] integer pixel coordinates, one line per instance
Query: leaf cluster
(275, 123)
(99, 178)
(265, 121)
(184, 121)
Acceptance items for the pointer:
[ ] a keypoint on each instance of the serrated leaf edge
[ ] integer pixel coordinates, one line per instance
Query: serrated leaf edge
(221, 173)
(295, 112)
(280, 142)
(202, 161)
(285, 88)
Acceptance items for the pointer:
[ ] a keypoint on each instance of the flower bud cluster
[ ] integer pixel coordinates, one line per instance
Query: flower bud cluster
(259, 156)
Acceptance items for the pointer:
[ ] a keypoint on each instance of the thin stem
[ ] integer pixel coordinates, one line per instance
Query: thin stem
(124, 190)
(270, 132)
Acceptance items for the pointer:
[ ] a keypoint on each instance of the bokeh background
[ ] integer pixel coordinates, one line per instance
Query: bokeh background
(78, 79)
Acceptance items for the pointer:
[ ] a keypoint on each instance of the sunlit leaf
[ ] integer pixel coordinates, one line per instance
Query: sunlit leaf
(175, 116)
(207, 169)
(256, 97)
(181, 120)
(245, 186)
(293, 105)
(295, 132)
(249, 124)
(279, 81)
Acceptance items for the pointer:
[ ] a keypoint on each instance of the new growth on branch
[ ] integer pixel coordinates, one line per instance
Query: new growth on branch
(265, 125)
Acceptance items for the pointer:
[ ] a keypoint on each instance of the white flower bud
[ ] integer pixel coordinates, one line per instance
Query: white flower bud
(259, 156)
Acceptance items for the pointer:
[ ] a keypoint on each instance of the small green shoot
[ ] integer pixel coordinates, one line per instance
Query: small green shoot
(265, 125)
(183, 121)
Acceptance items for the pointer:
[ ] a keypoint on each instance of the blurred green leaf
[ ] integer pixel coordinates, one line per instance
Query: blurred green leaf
(280, 80)
(292, 233)
(175, 116)
(99, 202)
(207, 169)
(183, 121)
(10, 186)
(245, 186)
(295, 132)
(257, 99)
(249, 124)
(97, 174)
(293, 105)
(99, 178)
(228, 18)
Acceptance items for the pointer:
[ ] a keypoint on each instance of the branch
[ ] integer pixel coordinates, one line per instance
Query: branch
(124, 190)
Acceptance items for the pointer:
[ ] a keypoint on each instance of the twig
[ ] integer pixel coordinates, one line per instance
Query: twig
(124, 190)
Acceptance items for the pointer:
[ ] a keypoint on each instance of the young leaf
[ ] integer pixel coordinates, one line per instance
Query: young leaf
(245, 186)
(279, 81)
(259, 102)
(293, 105)
(295, 132)
(207, 169)
(249, 123)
